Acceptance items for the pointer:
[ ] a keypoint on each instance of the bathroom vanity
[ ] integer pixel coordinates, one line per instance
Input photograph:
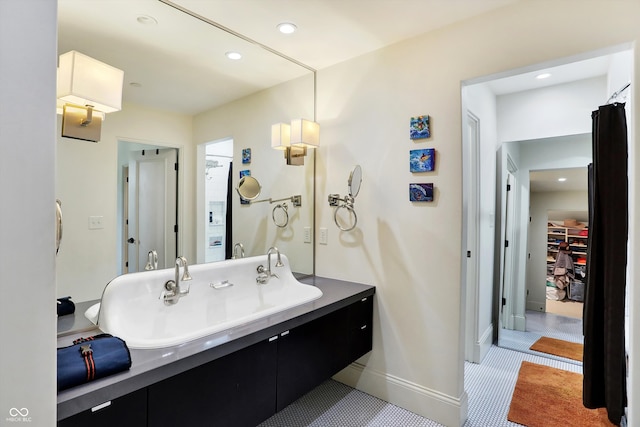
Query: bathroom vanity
(237, 377)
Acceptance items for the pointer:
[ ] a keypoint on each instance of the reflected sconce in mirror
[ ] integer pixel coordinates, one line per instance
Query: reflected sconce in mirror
(88, 89)
(294, 139)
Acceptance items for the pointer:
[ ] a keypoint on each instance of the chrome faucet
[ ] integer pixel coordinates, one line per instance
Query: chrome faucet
(152, 260)
(265, 274)
(235, 253)
(173, 292)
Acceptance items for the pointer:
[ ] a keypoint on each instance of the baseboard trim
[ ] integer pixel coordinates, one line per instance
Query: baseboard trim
(535, 305)
(519, 323)
(432, 404)
(483, 345)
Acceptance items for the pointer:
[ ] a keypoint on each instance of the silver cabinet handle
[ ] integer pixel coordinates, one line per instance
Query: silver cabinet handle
(58, 224)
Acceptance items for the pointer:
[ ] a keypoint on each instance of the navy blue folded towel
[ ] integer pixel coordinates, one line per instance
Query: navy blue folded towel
(65, 306)
(91, 358)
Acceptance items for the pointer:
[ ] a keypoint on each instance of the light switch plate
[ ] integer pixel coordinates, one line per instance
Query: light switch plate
(324, 235)
(307, 234)
(95, 222)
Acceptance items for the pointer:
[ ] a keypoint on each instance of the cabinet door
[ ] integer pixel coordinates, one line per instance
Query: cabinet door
(126, 411)
(361, 328)
(235, 390)
(310, 354)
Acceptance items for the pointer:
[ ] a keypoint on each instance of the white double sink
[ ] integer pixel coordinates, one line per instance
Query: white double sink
(132, 307)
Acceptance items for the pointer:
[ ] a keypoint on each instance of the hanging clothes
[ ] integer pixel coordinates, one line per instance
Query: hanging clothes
(604, 366)
(563, 269)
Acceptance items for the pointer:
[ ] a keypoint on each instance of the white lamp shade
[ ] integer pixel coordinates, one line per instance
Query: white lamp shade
(305, 133)
(280, 136)
(83, 80)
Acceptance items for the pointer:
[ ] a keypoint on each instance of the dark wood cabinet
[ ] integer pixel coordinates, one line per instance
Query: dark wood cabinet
(360, 328)
(309, 354)
(249, 385)
(126, 411)
(313, 352)
(235, 390)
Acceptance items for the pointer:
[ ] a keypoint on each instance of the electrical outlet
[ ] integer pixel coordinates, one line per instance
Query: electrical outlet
(95, 222)
(307, 234)
(324, 235)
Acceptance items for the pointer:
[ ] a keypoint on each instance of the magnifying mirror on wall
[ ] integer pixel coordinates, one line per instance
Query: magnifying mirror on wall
(248, 188)
(355, 179)
(345, 215)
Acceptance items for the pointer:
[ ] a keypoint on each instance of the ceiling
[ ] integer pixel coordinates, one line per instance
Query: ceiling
(547, 180)
(176, 62)
(174, 58)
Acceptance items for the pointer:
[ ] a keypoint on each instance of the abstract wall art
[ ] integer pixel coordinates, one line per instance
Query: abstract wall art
(421, 192)
(419, 127)
(422, 160)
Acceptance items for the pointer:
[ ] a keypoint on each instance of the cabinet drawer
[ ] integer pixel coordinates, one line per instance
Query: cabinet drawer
(361, 313)
(361, 328)
(236, 390)
(126, 411)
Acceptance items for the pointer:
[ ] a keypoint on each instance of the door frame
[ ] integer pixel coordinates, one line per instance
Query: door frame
(151, 166)
(128, 144)
(470, 235)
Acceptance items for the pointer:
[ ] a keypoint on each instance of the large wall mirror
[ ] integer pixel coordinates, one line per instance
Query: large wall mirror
(182, 96)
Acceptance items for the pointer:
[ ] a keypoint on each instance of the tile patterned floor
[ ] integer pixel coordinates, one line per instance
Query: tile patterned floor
(542, 324)
(489, 385)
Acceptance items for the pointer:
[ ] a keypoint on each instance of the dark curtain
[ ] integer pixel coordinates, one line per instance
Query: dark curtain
(604, 364)
(228, 237)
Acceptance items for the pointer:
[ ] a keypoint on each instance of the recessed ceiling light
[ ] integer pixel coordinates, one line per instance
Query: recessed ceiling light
(543, 76)
(147, 20)
(287, 28)
(233, 55)
(562, 179)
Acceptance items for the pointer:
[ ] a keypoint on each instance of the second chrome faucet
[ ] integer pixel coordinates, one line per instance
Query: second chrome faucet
(173, 291)
(265, 274)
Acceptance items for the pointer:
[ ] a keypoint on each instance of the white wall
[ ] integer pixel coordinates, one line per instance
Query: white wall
(541, 204)
(567, 110)
(412, 252)
(27, 219)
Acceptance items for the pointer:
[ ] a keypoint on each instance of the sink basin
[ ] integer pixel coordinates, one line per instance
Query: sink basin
(222, 295)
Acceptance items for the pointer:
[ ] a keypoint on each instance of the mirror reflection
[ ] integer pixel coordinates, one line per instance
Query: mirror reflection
(248, 188)
(355, 179)
(179, 96)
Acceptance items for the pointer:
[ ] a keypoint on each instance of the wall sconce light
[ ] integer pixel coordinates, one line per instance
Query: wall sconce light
(294, 139)
(84, 85)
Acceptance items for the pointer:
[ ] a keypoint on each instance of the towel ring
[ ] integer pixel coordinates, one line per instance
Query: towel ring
(283, 207)
(351, 211)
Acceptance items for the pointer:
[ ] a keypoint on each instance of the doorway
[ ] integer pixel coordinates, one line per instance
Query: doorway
(522, 129)
(148, 201)
(217, 227)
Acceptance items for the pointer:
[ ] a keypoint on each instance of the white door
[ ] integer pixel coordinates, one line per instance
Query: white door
(471, 195)
(506, 311)
(151, 212)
